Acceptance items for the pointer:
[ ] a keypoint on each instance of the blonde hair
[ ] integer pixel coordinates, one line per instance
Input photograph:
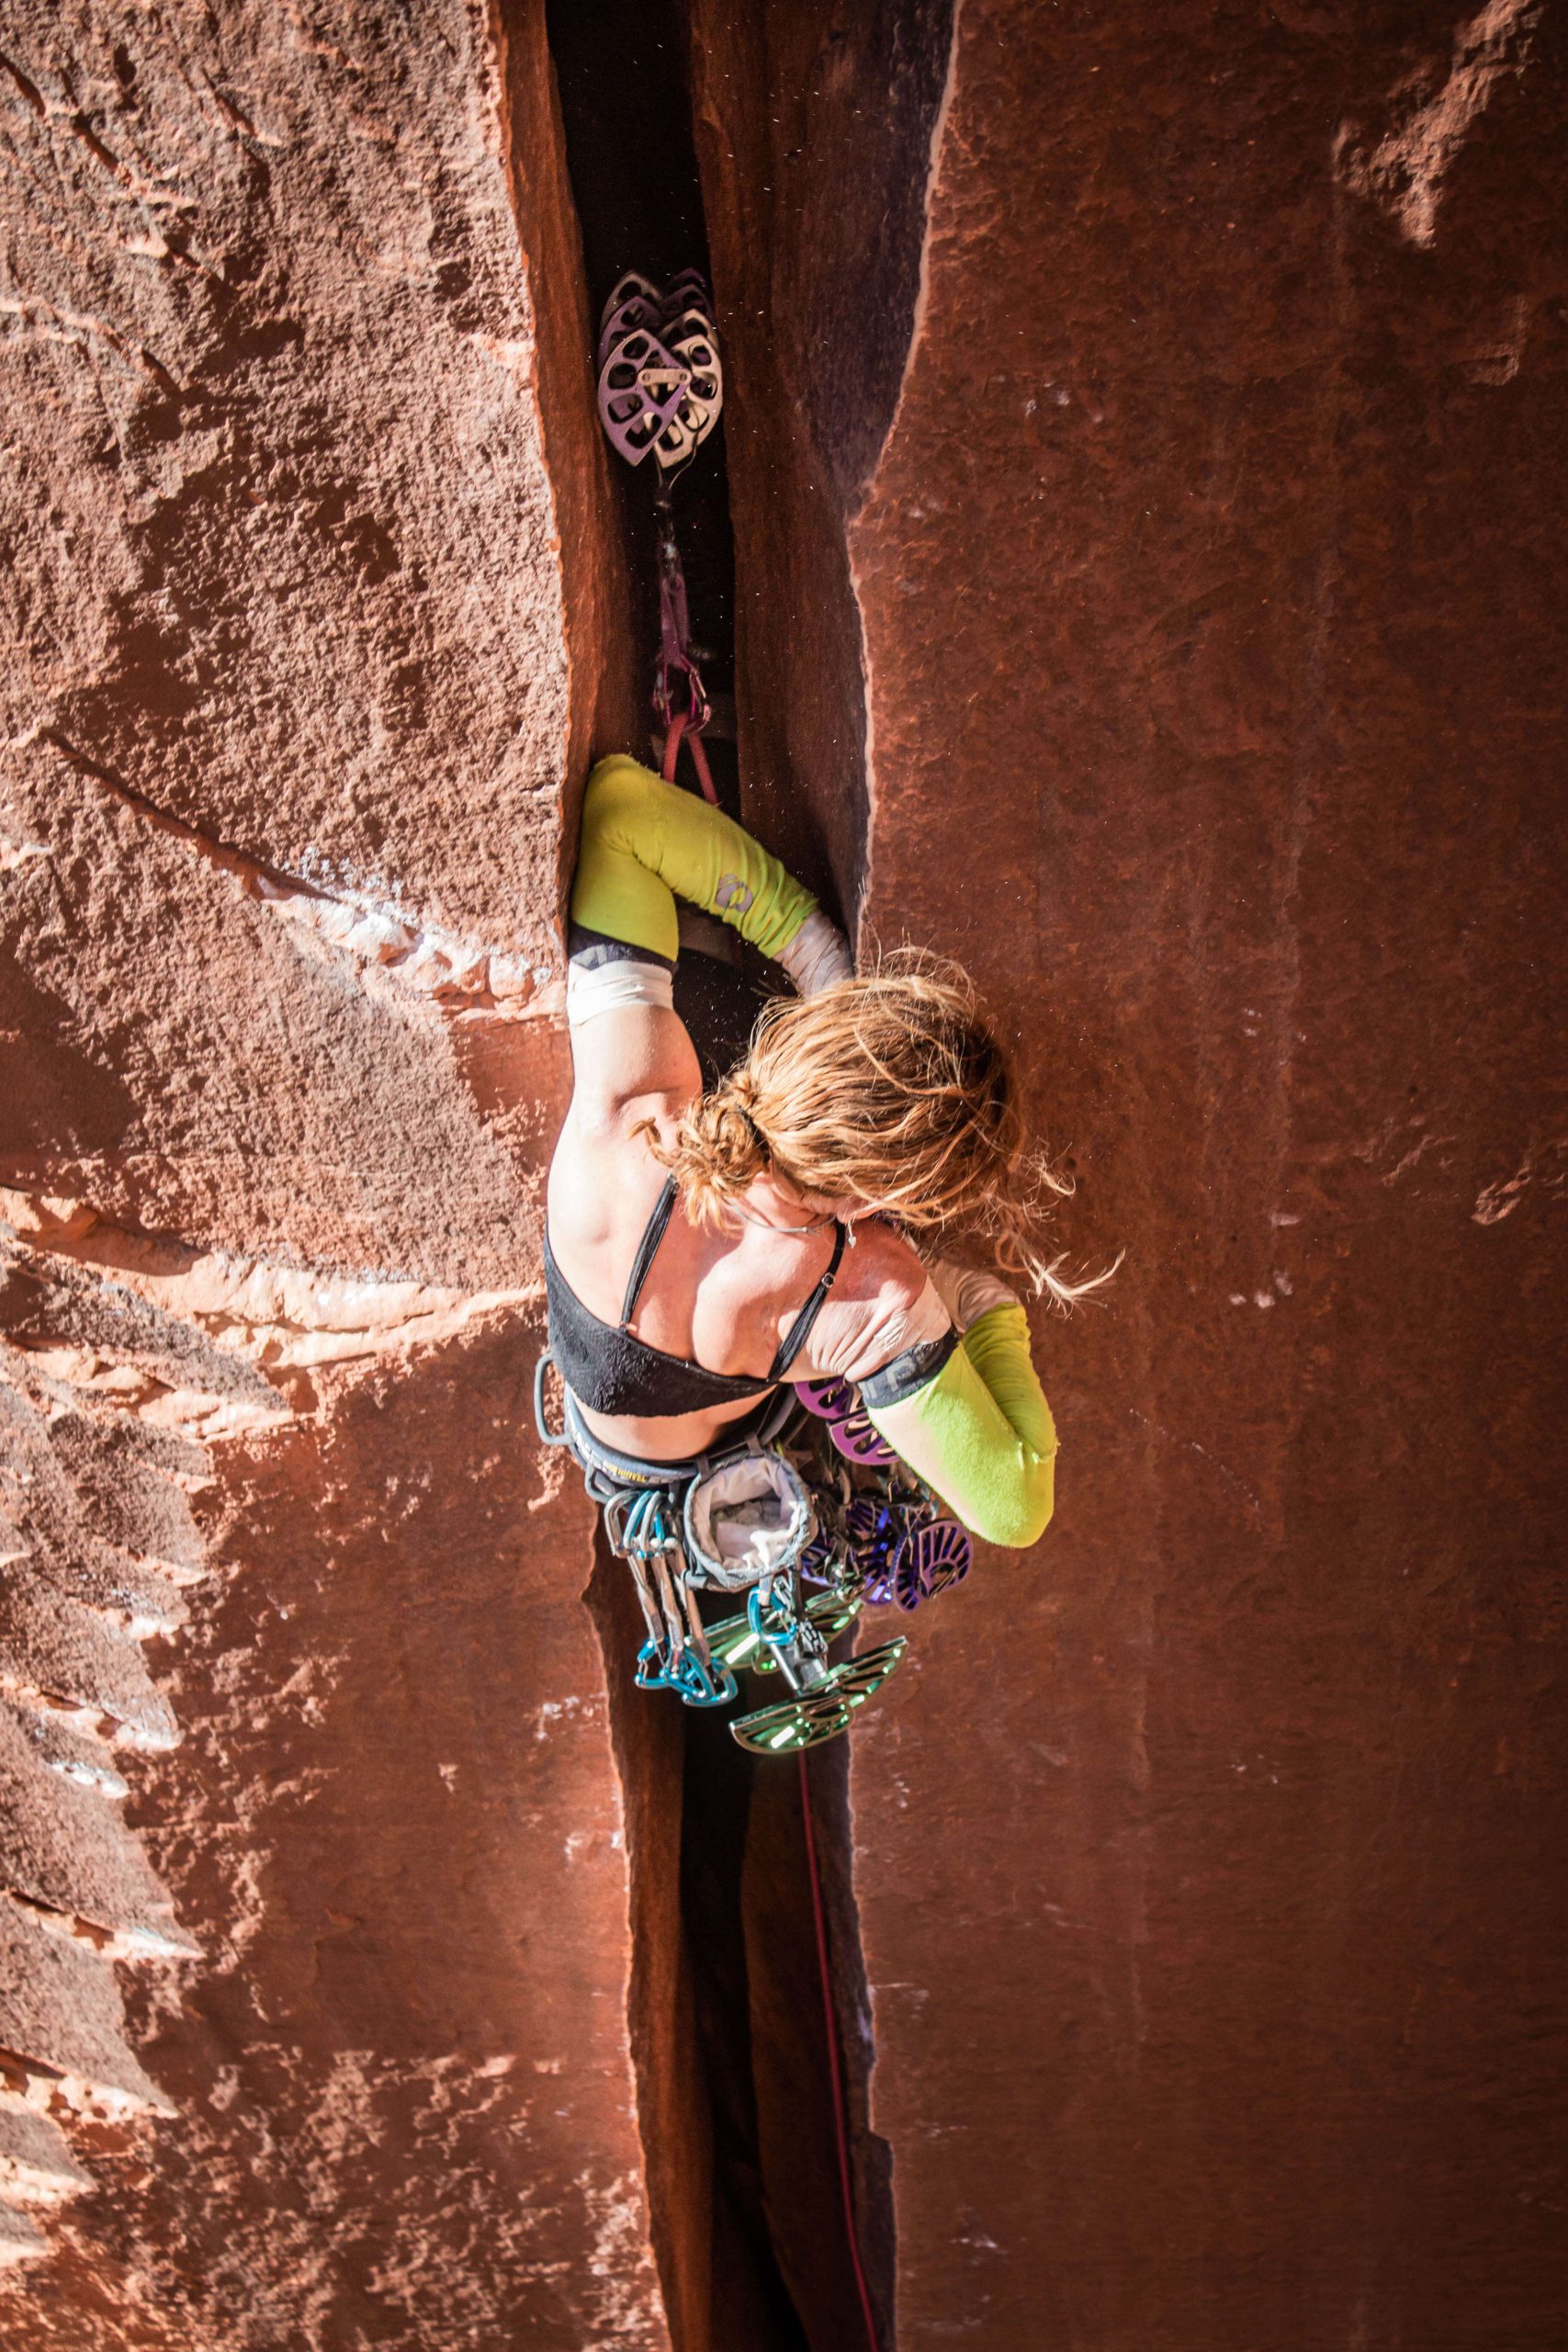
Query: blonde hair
(889, 1091)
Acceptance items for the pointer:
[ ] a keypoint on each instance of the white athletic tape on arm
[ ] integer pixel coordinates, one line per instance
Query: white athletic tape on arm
(608, 987)
(817, 956)
(969, 1292)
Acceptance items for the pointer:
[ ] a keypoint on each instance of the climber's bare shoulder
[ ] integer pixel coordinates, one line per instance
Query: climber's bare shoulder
(629, 1067)
(634, 1063)
(881, 1302)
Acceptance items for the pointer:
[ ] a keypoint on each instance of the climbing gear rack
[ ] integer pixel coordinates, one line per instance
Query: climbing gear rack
(661, 391)
(853, 1532)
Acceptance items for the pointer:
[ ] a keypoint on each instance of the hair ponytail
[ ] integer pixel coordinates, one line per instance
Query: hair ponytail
(718, 1149)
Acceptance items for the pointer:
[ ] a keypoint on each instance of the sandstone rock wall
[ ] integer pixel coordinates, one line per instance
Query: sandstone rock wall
(1212, 678)
(312, 622)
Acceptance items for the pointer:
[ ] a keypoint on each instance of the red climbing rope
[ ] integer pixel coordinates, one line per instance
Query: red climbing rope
(835, 2069)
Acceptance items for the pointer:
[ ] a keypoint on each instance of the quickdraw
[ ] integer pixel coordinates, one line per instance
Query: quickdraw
(661, 390)
(645, 1532)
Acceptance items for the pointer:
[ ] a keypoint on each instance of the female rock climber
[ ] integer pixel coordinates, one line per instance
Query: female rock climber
(703, 1248)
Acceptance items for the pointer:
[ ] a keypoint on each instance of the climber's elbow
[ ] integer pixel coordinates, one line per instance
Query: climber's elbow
(616, 797)
(1016, 1515)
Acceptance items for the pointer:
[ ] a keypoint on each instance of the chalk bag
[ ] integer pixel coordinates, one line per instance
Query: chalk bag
(748, 1518)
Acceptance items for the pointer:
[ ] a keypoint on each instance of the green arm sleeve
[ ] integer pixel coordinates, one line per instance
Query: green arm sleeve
(981, 1432)
(643, 840)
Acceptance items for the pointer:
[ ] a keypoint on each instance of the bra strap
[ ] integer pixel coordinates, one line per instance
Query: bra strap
(799, 1331)
(647, 1249)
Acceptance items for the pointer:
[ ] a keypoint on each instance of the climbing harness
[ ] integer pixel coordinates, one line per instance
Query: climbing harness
(661, 390)
(810, 1532)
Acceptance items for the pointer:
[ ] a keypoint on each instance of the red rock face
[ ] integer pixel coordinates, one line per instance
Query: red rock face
(1211, 674)
(306, 661)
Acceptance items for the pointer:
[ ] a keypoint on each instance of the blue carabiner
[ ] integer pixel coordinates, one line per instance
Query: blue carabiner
(637, 1517)
(771, 1623)
(652, 1672)
(699, 1686)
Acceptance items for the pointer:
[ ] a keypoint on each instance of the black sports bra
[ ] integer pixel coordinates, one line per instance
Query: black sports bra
(610, 1370)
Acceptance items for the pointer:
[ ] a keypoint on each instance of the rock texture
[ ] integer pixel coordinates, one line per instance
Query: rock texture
(313, 622)
(1212, 679)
